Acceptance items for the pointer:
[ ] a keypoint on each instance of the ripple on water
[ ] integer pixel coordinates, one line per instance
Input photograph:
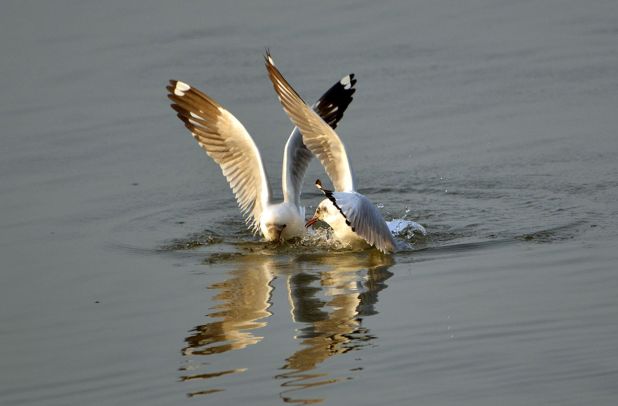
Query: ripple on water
(196, 240)
(329, 294)
(411, 237)
(319, 239)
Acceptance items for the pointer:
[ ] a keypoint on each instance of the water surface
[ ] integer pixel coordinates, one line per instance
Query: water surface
(129, 278)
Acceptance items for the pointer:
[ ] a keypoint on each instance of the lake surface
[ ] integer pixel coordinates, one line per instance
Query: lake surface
(128, 277)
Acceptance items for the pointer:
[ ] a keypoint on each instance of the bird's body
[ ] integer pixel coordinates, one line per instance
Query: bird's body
(342, 232)
(282, 221)
(227, 141)
(351, 215)
(354, 219)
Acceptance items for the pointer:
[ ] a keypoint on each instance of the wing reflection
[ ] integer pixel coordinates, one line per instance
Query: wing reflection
(244, 301)
(329, 294)
(329, 300)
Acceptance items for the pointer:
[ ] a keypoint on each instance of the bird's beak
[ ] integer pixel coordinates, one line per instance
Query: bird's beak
(311, 221)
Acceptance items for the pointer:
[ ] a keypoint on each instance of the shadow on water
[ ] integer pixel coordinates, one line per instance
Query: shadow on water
(329, 295)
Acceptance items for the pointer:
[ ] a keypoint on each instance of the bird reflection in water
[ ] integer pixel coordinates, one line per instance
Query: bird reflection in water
(244, 301)
(330, 302)
(329, 294)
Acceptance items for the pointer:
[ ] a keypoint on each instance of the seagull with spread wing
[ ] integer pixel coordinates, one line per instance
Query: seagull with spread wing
(227, 141)
(351, 215)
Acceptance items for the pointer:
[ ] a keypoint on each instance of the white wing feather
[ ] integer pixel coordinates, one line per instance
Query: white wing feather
(317, 135)
(297, 157)
(227, 141)
(364, 218)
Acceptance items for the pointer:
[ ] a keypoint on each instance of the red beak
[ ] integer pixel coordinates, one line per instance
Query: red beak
(311, 221)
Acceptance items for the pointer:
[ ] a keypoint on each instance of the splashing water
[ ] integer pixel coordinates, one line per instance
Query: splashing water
(406, 229)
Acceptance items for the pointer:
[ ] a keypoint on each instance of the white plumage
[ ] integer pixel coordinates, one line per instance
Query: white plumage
(229, 144)
(351, 215)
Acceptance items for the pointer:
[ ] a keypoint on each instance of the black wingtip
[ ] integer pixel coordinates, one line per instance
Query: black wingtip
(348, 82)
(327, 192)
(352, 79)
(331, 106)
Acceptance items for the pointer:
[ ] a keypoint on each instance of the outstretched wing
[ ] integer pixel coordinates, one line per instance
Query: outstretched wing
(227, 141)
(331, 106)
(363, 217)
(317, 135)
(296, 158)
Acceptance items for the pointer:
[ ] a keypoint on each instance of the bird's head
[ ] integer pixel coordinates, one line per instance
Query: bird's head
(272, 224)
(324, 210)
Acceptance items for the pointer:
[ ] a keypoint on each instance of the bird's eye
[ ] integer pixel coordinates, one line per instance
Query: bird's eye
(283, 226)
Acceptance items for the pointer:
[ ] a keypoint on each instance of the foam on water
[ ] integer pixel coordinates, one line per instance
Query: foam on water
(407, 229)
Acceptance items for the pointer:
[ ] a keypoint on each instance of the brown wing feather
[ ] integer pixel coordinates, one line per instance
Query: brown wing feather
(318, 136)
(227, 141)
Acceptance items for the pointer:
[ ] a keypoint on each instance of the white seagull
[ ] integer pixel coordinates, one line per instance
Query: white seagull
(353, 218)
(227, 141)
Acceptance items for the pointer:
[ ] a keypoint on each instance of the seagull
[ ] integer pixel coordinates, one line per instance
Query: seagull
(352, 216)
(227, 141)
